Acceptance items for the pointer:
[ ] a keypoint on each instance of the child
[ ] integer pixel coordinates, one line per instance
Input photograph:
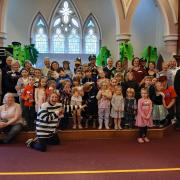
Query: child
(29, 108)
(22, 81)
(76, 105)
(40, 93)
(51, 87)
(170, 99)
(159, 110)
(130, 108)
(117, 109)
(65, 99)
(131, 83)
(113, 84)
(90, 92)
(37, 76)
(144, 115)
(104, 100)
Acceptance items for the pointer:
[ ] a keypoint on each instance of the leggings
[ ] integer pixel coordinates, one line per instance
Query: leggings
(142, 132)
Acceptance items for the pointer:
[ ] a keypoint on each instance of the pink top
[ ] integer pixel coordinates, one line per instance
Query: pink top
(144, 115)
(104, 101)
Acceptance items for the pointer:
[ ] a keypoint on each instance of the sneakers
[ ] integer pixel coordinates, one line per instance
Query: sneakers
(29, 142)
(74, 126)
(100, 127)
(140, 140)
(80, 126)
(146, 139)
(107, 127)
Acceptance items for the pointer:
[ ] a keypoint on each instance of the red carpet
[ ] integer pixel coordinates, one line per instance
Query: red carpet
(95, 155)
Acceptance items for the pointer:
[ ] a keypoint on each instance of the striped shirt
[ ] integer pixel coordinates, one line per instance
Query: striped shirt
(47, 120)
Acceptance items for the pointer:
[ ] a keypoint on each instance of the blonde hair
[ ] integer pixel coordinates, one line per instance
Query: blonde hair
(130, 90)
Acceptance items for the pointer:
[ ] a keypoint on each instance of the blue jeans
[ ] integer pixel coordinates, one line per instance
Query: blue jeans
(41, 143)
(11, 132)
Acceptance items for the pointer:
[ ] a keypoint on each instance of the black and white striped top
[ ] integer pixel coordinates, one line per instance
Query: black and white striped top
(47, 120)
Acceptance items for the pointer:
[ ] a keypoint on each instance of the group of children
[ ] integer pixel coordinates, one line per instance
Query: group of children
(89, 97)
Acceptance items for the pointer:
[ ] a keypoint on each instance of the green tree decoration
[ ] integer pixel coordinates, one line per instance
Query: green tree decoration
(101, 59)
(126, 51)
(150, 54)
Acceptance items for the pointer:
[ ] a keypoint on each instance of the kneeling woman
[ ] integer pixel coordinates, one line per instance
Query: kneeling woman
(10, 118)
(46, 124)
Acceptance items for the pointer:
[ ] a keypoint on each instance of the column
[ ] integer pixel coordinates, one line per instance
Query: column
(2, 38)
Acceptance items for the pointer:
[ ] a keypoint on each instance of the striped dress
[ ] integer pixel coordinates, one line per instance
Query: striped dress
(47, 120)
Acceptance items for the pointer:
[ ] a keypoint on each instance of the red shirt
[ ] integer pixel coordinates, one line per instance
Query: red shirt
(169, 94)
(28, 96)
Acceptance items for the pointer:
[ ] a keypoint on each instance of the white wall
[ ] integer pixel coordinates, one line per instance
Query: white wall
(147, 27)
(22, 12)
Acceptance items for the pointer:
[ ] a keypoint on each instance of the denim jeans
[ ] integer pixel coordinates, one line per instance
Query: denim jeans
(11, 132)
(41, 143)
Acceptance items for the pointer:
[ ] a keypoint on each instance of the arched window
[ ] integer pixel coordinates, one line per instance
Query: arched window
(39, 35)
(65, 28)
(92, 35)
(65, 34)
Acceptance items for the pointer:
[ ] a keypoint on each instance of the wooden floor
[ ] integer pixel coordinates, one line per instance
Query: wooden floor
(89, 134)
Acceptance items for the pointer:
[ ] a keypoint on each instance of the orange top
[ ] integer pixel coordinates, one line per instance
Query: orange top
(28, 95)
(169, 94)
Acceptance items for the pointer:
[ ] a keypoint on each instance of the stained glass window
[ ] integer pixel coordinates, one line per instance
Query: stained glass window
(91, 36)
(39, 34)
(65, 33)
(58, 42)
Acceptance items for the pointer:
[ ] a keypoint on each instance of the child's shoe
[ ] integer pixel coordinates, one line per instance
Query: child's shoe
(120, 128)
(100, 127)
(146, 139)
(140, 140)
(74, 126)
(116, 127)
(94, 124)
(79, 126)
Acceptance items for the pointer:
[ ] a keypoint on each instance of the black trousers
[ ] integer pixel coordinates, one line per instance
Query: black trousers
(143, 131)
(178, 111)
(41, 143)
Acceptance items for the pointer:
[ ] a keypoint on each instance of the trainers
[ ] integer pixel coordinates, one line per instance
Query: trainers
(146, 139)
(140, 140)
(94, 125)
(29, 142)
(80, 126)
(107, 127)
(74, 126)
(100, 127)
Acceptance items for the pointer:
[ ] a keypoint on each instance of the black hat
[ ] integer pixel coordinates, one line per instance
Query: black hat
(16, 43)
(92, 57)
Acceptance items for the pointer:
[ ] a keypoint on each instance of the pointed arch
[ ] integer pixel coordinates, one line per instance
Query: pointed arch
(39, 33)
(66, 19)
(91, 35)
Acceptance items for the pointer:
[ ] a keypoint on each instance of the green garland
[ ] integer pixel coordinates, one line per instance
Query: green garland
(126, 51)
(101, 59)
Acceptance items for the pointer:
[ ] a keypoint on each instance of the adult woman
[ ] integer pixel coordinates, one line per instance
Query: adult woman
(12, 78)
(138, 71)
(46, 124)
(151, 69)
(10, 118)
(54, 71)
